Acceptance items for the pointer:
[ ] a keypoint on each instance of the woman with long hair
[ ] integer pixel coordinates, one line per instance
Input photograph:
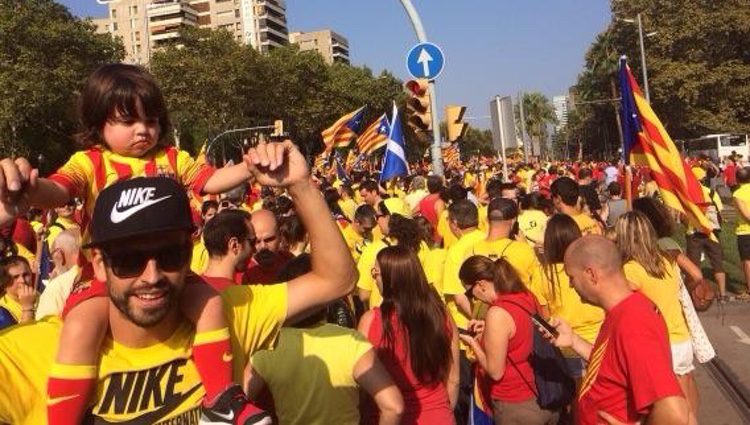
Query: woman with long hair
(415, 338)
(560, 298)
(653, 271)
(503, 347)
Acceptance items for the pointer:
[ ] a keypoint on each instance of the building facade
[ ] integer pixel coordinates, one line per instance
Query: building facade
(331, 45)
(146, 25)
(561, 104)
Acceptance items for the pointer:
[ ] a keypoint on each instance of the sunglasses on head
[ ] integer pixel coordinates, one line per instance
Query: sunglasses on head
(170, 258)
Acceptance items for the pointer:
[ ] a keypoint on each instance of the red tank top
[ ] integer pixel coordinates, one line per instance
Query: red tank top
(427, 208)
(423, 404)
(515, 384)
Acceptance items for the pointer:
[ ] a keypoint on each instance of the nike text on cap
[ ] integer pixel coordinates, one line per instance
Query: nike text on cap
(138, 207)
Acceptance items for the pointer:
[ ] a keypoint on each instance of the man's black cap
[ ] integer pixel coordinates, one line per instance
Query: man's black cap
(137, 207)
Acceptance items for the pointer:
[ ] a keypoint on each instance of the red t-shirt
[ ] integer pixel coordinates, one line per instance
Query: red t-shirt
(630, 365)
(218, 283)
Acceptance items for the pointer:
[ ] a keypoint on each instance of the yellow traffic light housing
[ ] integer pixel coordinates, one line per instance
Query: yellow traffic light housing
(456, 128)
(418, 106)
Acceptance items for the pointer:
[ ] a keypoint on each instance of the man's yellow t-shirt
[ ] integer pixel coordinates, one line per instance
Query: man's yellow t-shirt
(348, 207)
(60, 224)
(565, 303)
(454, 259)
(310, 374)
(742, 194)
(434, 267)
(354, 241)
(199, 261)
(664, 293)
(367, 261)
(588, 225)
(520, 255)
(444, 230)
(156, 384)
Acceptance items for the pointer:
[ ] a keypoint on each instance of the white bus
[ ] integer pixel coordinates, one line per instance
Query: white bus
(718, 146)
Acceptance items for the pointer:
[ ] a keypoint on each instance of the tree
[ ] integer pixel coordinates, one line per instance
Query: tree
(45, 55)
(538, 112)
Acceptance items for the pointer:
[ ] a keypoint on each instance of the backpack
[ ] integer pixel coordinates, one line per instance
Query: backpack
(555, 388)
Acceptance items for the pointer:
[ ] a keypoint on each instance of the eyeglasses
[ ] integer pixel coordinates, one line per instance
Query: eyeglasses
(170, 258)
(469, 293)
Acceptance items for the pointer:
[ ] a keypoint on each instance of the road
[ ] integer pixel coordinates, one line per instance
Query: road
(727, 327)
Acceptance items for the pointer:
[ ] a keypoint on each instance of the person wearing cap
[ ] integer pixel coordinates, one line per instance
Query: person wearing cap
(147, 370)
(502, 214)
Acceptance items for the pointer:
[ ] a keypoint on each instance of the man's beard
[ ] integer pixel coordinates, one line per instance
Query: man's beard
(265, 257)
(146, 318)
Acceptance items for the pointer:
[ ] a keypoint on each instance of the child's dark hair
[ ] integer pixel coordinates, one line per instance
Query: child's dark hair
(120, 88)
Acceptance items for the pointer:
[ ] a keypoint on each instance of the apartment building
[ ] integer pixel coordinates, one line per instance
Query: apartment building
(146, 25)
(331, 45)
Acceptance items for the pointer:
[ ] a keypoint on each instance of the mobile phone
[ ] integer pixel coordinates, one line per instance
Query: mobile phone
(540, 322)
(465, 332)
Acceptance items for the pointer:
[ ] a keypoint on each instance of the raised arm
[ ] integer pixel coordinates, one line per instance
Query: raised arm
(333, 272)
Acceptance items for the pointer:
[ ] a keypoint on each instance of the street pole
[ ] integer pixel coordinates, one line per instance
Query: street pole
(523, 128)
(437, 155)
(643, 59)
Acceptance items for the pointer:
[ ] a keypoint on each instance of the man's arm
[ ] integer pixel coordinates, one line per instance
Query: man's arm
(670, 410)
(372, 376)
(333, 272)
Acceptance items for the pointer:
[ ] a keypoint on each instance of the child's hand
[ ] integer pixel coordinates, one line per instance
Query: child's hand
(17, 181)
(277, 164)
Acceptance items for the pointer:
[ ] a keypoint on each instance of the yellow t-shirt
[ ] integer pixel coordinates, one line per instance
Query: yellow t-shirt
(444, 230)
(156, 384)
(665, 293)
(484, 224)
(434, 266)
(454, 259)
(585, 319)
(25, 253)
(84, 179)
(13, 307)
(310, 374)
(520, 255)
(742, 194)
(367, 262)
(199, 262)
(532, 224)
(353, 240)
(348, 207)
(54, 231)
(588, 225)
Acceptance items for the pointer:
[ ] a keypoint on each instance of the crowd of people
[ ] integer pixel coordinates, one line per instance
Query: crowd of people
(140, 285)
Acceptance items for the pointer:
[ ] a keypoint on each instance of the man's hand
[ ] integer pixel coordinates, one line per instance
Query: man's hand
(277, 164)
(17, 182)
(565, 333)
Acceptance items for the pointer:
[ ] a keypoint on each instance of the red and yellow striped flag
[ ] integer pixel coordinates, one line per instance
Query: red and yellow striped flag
(375, 136)
(451, 155)
(340, 134)
(647, 143)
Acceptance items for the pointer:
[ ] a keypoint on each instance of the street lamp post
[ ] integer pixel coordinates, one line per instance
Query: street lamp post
(643, 52)
(437, 155)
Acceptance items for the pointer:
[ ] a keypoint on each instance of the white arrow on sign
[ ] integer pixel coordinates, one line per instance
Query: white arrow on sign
(425, 59)
(743, 337)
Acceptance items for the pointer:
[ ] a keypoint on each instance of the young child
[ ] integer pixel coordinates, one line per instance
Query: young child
(125, 130)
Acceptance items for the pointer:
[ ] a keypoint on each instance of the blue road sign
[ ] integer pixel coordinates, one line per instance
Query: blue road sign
(425, 60)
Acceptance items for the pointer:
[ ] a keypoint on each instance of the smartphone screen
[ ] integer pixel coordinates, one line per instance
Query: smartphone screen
(465, 332)
(537, 319)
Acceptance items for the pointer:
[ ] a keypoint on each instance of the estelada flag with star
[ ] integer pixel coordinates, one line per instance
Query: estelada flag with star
(647, 143)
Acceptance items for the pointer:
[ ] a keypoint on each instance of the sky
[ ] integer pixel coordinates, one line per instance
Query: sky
(492, 47)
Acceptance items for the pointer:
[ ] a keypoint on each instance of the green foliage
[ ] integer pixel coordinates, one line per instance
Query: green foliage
(538, 112)
(212, 84)
(45, 55)
(476, 142)
(698, 69)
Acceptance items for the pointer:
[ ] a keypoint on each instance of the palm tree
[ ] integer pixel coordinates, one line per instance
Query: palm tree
(538, 112)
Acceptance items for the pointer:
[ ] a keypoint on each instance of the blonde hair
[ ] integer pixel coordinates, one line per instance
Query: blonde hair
(636, 240)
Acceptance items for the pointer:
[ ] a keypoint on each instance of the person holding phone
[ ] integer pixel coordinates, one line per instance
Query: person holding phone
(504, 346)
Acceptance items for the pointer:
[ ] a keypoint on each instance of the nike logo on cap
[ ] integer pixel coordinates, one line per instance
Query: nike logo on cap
(134, 200)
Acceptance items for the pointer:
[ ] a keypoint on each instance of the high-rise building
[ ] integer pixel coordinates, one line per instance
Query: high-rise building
(145, 25)
(561, 104)
(332, 46)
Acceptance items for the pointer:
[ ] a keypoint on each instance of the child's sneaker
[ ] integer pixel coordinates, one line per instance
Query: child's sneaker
(232, 407)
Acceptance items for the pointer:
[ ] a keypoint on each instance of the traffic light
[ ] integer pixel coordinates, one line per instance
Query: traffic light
(418, 106)
(456, 128)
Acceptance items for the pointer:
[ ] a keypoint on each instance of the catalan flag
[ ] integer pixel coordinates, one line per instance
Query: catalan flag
(647, 143)
(340, 134)
(451, 155)
(375, 136)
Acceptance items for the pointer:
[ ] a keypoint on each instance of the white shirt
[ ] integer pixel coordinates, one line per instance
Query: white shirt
(52, 300)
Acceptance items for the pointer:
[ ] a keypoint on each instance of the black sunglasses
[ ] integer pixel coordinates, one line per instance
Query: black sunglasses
(170, 258)
(469, 292)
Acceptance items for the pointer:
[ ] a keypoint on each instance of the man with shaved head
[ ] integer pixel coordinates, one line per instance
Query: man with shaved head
(629, 376)
(267, 260)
